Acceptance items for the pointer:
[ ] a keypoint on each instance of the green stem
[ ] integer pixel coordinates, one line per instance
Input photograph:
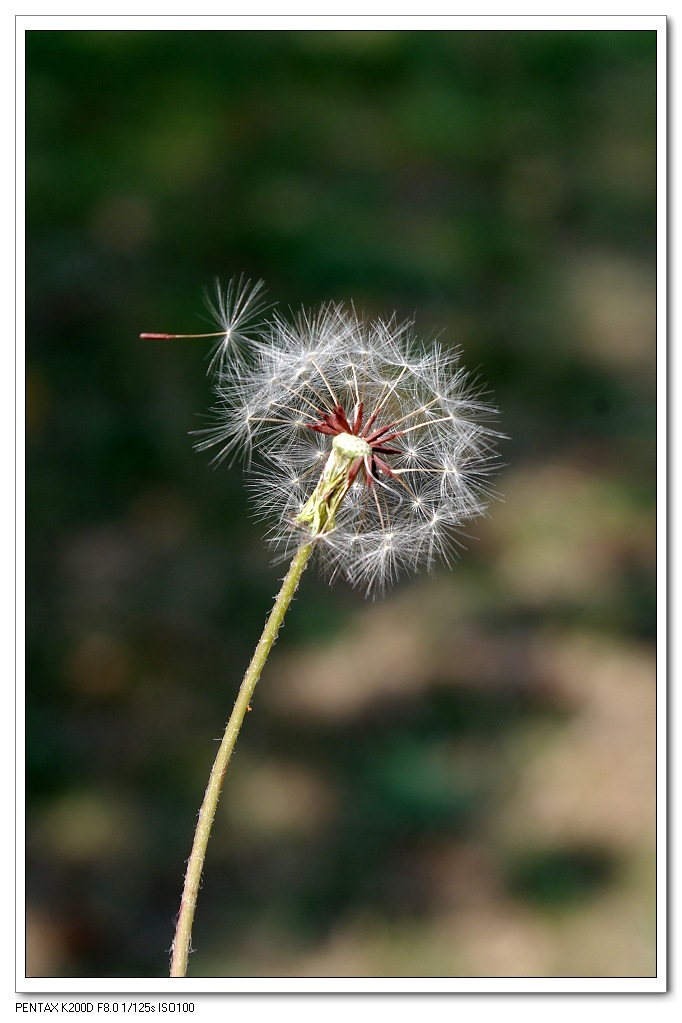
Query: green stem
(195, 864)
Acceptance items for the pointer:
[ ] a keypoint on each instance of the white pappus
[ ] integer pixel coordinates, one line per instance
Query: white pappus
(375, 447)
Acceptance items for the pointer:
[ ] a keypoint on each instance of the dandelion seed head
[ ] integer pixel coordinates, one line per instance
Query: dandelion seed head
(371, 445)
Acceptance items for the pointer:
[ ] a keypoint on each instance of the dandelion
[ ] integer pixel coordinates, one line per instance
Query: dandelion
(364, 448)
(369, 446)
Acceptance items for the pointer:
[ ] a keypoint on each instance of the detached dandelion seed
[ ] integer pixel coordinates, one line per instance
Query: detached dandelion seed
(364, 448)
(238, 309)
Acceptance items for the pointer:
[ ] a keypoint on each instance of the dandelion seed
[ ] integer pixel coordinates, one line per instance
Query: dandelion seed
(237, 309)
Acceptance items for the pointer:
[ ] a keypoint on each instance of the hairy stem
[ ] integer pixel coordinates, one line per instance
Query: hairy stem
(195, 864)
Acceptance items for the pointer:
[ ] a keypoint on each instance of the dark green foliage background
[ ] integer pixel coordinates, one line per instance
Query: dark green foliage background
(501, 185)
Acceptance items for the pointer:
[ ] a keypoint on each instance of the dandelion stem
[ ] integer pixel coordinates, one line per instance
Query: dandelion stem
(195, 864)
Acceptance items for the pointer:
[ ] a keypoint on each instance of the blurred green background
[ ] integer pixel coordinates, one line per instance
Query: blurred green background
(456, 780)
